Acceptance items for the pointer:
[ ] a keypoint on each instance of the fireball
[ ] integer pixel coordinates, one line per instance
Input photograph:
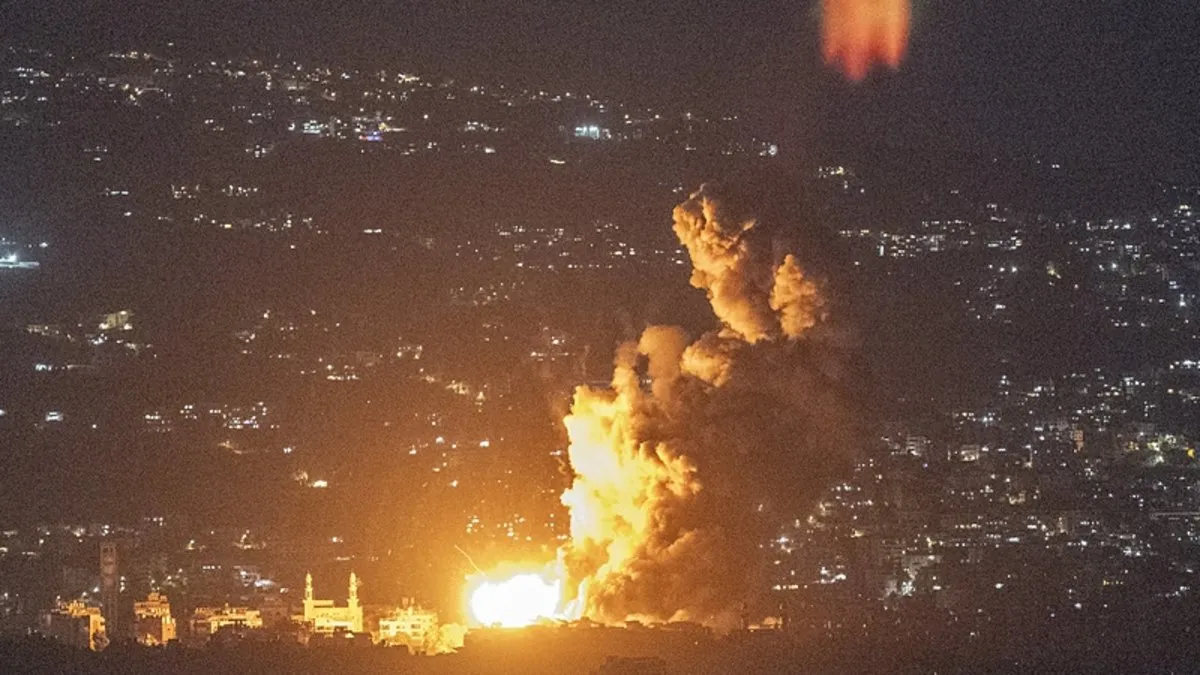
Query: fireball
(520, 600)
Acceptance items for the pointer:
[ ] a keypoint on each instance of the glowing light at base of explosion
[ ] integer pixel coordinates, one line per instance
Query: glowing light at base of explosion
(520, 600)
(858, 34)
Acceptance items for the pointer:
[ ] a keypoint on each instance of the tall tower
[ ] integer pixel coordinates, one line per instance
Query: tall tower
(352, 609)
(109, 585)
(308, 595)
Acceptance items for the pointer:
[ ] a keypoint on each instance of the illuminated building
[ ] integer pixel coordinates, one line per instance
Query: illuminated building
(119, 320)
(76, 624)
(322, 616)
(916, 446)
(153, 622)
(408, 625)
(209, 620)
(592, 132)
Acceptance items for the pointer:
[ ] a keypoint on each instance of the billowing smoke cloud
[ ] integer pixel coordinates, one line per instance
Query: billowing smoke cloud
(753, 299)
(677, 484)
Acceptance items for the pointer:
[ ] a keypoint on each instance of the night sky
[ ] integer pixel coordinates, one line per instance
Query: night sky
(1107, 81)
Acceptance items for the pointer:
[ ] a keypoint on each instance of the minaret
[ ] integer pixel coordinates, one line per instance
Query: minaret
(308, 596)
(356, 616)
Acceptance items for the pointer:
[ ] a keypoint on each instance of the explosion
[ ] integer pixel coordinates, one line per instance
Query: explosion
(678, 483)
(520, 600)
(861, 33)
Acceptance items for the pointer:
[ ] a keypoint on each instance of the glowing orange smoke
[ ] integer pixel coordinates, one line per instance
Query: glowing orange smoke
(653, 538)
(861, 33)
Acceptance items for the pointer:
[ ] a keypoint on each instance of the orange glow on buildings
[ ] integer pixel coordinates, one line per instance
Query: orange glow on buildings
(858, 34)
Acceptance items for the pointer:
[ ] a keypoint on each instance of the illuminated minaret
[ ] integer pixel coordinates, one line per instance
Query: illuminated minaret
(308, 595)
(352, 608)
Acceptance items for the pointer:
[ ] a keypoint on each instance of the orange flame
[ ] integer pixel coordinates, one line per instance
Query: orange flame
(861, 33)
(638, 541)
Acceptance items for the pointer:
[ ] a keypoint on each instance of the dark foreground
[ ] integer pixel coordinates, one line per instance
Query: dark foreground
(642, 652)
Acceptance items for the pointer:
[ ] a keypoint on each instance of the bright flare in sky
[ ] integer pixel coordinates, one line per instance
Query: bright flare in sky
(859, 34)
(520, 600)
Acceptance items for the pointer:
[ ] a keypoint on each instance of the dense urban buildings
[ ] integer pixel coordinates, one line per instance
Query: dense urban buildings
(287, 345)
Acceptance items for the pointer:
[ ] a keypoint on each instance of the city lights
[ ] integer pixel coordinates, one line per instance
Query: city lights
(861, 338)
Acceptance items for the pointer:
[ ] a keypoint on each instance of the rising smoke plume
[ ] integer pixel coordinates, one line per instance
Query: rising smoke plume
(679, 483)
